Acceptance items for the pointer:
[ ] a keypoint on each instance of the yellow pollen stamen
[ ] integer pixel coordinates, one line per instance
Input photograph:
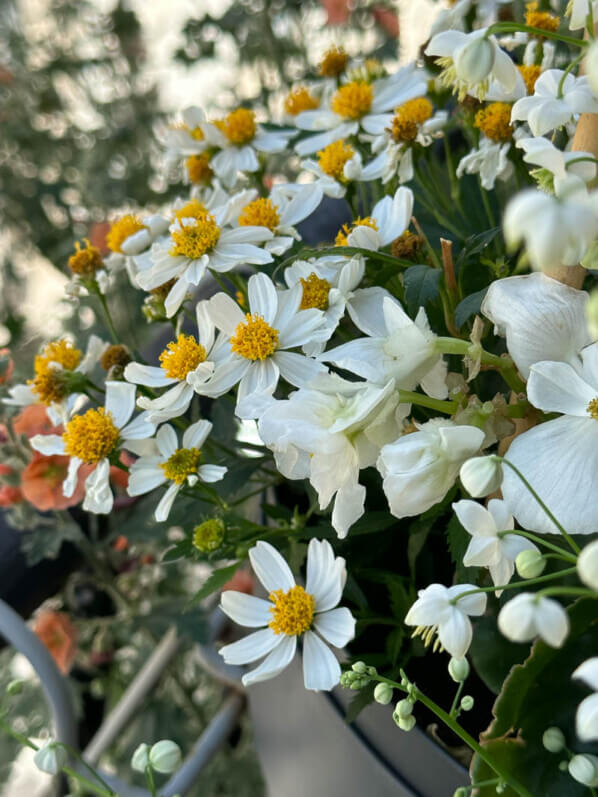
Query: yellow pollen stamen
(240, 297)
(193, 209)
(122, 229)
(182, 463)
(540, 19)
(300, 100)
(495, 121)
(407, 245)
(238, 126)
(85, 261)
(315, 292)
(332, 159)
(293, 611)
(408, 118)
(194, 240)
(254, 338)
(91, 436)
(333, 62)
(427, 634)
(346, 229)
(49, 365)
(353, 100)
(182, 356)
(195, 132)
(199, 169)
(260, 213)
(115, 355)
(592, 408)
(530, 73)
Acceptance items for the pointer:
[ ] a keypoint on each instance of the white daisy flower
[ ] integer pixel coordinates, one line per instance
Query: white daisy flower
(290, 612)
(185, 137)
(336, 166)
(550, 107)
(177, 466)
(541, 152)
(95, 438)
(529, 615)
(489, 160)
(586, 719)
(440, 611)
(129, 236)
(390, 218)
(259, 341)
(354, 105)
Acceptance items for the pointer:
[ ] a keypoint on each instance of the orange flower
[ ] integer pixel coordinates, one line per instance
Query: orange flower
(41, 482)
(121, 543)
(59, 635)
(97, 236)
(388, 18)
(242, 581)
(7, 366)
(10, 495)
(338, 11)
(34, 420)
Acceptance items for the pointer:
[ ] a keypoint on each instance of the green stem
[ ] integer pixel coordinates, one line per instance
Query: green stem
(466, 349)
(528, 534)
(568, 571)
(512, 27)
(109, 321)
(411, 397)
(584, 591)
(486, 203)
(343, 251)
(455, 703)
(88, 783)
(569, 68)
(149, 777)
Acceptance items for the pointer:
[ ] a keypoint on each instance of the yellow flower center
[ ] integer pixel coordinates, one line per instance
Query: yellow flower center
(530, 73)
(85, 261)
(91, 436)
(540, 19)
(407, 245)
(592, 408)
(193, 209)
(194, 132)
(238, 126)
(121, 229)
(332, 159)
(293, 611)
(182, 463)
(115, 355)
(333, 62)
(353, 100)
(49, 365)
(254, 338)
(182, 356)
(199, 169)
(409, 116)
(315, 292)
(260, 213)
(194, 240)
(427, 634)
(495, 121)
(300, 100)
(347, 229)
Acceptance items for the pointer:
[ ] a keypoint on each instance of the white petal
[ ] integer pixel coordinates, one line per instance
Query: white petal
(145, 475)
(120, 401)
(348, 508)
(166, 502)
(245, 609)
(226, 314)
(296, 368)
(552, 622)
(147, 375)
(69, 484)
(211, 473)
(98, 495)
(196, 434)
(586, 720)
(475, 518)
(322, 581)
(270, 567)
(274, 663)
(321, 670)
(251, 647)
(556, 387)
(455, 633)
(48, 444)
(337, 626)
(262, 297)
(588, 672)
(167, 441)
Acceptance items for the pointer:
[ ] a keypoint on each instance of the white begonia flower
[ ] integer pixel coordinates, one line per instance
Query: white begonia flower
(586, 719)
(557, 230)
(258, 342)
(131, 236)
(328, 284)
(471, 61)
(327, 432)
(239, 140)
(94, 438)
(545, 110)
(420, 468)
(587, 566)
(489, 160)
(541, 152)
(578, 11)
(487, 547)
(186, 365)
(353, 105)
(166, 462)
(453, 17)
(529, 615)
(440, 610)
(290, 612)
(396, 347)
(50, 758)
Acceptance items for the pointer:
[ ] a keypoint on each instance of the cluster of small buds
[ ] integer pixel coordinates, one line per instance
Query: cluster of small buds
(358, 676)
(403, 713)
(464, 791)
(163, 757)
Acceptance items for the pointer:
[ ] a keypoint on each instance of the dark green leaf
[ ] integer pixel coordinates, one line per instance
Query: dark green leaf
(215, 581)
(421, 286)
(469, 306)
(362, 699)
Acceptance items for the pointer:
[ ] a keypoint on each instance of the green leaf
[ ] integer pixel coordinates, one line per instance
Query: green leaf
(421, 286)
(492, 654)
(469, 306)
(45, 542)
(393, 645)
(371, 522)
(215, 581)
(182, 549)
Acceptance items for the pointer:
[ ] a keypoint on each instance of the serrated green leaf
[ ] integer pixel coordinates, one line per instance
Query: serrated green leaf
(182, 549)
(469, 306)
(215, 581)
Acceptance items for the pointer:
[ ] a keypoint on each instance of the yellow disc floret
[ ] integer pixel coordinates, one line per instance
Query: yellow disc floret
(121, 229)
(592, 408)
(92, 436)
(353, 100)
(182, 356)
(333, 62)
(346, 229)
(254, 338)
(495, 121)
(209, 535)
(315, 292)
(540, 19)
(408, 118)
(116, 355)
(48, 384)
(194, 240)
(182, 463)
(195, 132)
(238, 126)
(193, 209)
(260, 213)
(300, 100)
(86, 261)
(332, 159)
(530, 73)
(199, 169)
(293, 611)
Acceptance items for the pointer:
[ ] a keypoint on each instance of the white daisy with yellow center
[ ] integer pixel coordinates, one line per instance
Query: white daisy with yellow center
(389, 218)
(129, 236)
(185, 138)
(335, 166)
(168, 463)
(95, 438)
(292, 611)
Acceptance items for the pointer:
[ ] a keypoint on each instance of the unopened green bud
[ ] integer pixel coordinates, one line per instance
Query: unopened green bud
(467, 702)
(383, 693)
(208, 536)
(165, 756)
(407, 723)
(530, 563)
(15, 688)
(460, 792)
(404, 708)
(50, 758)
(372, 672)
(584, 769)
(140, 758)
(553, 739)
(360, 667)
(564, 765)
(458, 669)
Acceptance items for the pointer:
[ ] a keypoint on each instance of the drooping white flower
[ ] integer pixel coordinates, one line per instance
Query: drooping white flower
(586, 719)
(165, 756)
(94, 438)
(167, 462)
(292, 611)
(420, 468)
(327, 432)
(440, 610)
(488, 548)
(578, 11)
(587, 566)
(489, 160)
(541, 152)
(529, 615)
(50, 758)
(547, 110)
(481, 475)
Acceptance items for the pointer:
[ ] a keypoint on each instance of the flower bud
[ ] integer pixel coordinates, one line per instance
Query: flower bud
(584, 769)
(553, 739)
(474, 59)
(407, 723)
(165, 756)
(360, 667)
(467, 702)
(404, 708)
(383, 693)
(15, 687)
(481, 475)
(563, 765)
(460, 792)
(140, 758)
(458, 669)
(530, 563)
(50, 758)
(209, 535)
(587, 565)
